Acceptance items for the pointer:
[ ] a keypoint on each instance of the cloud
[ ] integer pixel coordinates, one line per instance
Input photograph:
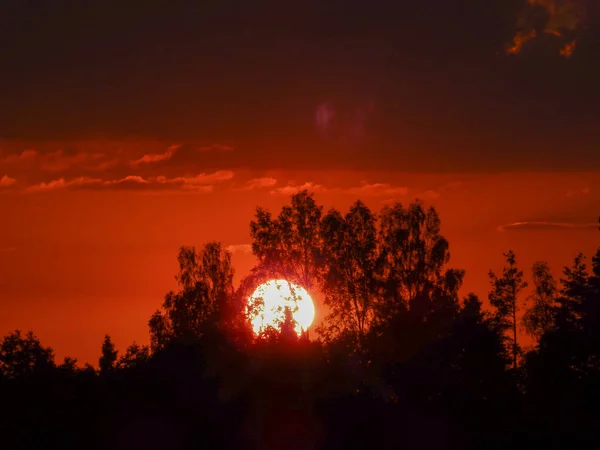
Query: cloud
(240, 248)
(429, 195)
(542, 225)
(62, 184)
(562, 19)
(200, 183)
(365, 190)
(377, 189)
(156, 157)
(134, 182)
(60, 161)
(7, 181)
(202, 179)
(259, 183)
(294, 189)
(128, 182)
(23, 156)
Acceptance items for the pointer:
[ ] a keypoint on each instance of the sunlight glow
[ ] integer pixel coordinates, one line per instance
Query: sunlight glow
(267, 304)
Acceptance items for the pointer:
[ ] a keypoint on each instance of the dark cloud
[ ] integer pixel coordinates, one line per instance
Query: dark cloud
(257, 75)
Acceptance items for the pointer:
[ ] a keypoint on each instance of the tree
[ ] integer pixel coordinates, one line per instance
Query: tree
(539, 318)
(69, 366)
(289, 246)
(108, 359)
(350, 281)
(413, 254)
(160, 331)
(205, 296)
(573, 293)
(134, 355)
(24, 355)
(504, 299)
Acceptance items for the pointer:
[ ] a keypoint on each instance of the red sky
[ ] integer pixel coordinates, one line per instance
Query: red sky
(127, 130)
(78, 260)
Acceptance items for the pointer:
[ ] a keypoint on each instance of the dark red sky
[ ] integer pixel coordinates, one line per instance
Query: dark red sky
(126, 131)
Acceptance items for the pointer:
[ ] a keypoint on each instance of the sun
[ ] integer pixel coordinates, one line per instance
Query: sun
(267, 304)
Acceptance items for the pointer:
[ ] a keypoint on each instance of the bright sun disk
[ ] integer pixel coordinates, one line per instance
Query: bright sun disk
(276, 296)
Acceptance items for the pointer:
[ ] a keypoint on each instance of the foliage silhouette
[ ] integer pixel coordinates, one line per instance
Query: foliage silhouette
(402, 361)
(504, 299)
(539, 318)
(108, 360)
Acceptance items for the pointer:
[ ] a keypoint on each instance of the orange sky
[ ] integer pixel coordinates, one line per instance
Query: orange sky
(78, 263)
(167, 124)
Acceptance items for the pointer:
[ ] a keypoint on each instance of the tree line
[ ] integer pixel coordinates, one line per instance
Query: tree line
(399, 361)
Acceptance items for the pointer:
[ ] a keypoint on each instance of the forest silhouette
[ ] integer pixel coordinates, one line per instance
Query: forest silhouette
(400, 360)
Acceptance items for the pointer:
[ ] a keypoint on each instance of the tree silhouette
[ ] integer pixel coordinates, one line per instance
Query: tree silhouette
(406, 363)
(68, 366)
(134, 355)
(573, 292)
(24, 355)
(504, 299)
(350, 281)
(539, 318)
(108, 359)
(289, 246)
(206, 296)
(413, 254)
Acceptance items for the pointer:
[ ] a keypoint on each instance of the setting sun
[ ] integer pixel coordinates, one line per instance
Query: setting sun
(267, 304)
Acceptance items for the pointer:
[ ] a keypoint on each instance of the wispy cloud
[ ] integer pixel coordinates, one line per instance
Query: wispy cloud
(542, 225)
(156, 157)
(200, 183)
(200, 179)
(365, 190)
(259, 183)
(294, 189)
(62, 184)
(377, 189)
(429, 194)
(7, 181)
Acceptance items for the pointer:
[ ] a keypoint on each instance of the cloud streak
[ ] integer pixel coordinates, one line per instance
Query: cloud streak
(200, 183)
(366, 189)
(156, 157)
(294, 189)
(543, 225)
(62, 184)
(259, 183)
